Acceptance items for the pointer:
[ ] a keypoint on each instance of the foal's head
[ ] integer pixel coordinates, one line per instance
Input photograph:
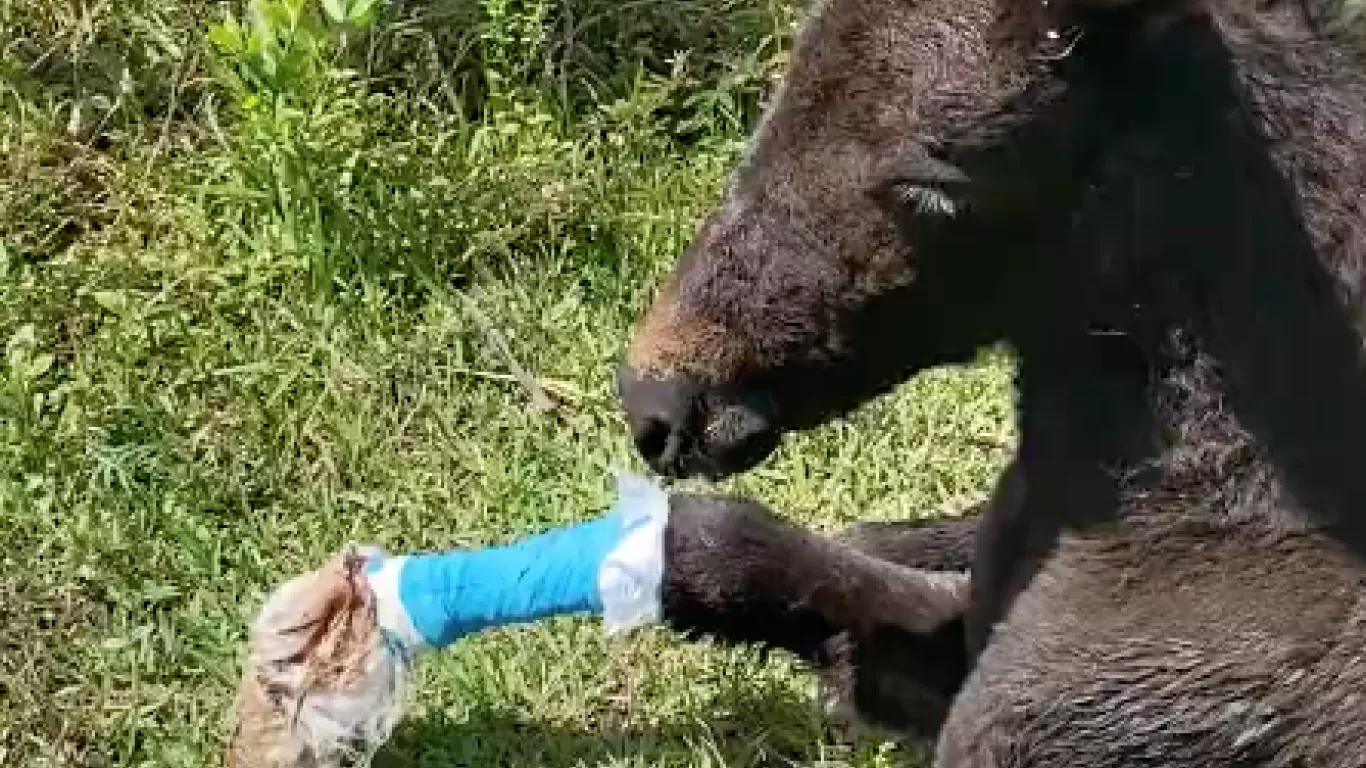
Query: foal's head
(890, 215)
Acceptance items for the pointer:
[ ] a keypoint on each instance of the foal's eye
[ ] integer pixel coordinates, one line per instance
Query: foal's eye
(925, 199)
(923, 184)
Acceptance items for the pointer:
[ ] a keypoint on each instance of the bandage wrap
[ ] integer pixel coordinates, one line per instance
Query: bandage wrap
(612, 565)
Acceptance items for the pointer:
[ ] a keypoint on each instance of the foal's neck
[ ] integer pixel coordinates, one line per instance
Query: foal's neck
(1212, 356)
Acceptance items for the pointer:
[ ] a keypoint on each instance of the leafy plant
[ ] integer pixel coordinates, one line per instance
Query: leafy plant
(285, 49)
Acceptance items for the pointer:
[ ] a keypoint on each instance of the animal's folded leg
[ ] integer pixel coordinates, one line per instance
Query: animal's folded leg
(944, 544)
(886, 636)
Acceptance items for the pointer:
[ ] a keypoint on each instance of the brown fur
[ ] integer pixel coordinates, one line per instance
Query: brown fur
(879, 616)
(666, 344)
(1186, 645)
(735, 307)
(1162, 208)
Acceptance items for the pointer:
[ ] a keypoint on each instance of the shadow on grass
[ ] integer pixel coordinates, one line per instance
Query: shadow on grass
(769, 730)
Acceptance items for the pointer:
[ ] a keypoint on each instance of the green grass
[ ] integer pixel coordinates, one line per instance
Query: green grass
(241, 305)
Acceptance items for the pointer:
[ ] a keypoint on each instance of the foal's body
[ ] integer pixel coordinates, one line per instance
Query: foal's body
(1161, 206)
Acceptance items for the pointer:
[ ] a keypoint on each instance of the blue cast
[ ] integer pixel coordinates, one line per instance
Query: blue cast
(449, 595)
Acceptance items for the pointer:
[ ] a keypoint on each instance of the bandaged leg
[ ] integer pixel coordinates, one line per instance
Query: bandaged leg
(331, 651)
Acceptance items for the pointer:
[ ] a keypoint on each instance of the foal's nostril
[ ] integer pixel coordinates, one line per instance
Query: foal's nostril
(652, 438)
(660, 411)
(681, 427)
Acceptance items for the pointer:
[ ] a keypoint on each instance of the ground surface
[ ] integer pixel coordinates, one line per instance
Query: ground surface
(252, 297)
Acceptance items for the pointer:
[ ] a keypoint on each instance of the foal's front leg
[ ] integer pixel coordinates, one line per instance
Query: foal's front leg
(879, 610)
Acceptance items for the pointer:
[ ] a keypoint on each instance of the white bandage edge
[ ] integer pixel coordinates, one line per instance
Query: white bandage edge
(631, 576)
(389, 611)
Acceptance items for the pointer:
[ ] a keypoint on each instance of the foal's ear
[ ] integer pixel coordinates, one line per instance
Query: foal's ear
(917, 180)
